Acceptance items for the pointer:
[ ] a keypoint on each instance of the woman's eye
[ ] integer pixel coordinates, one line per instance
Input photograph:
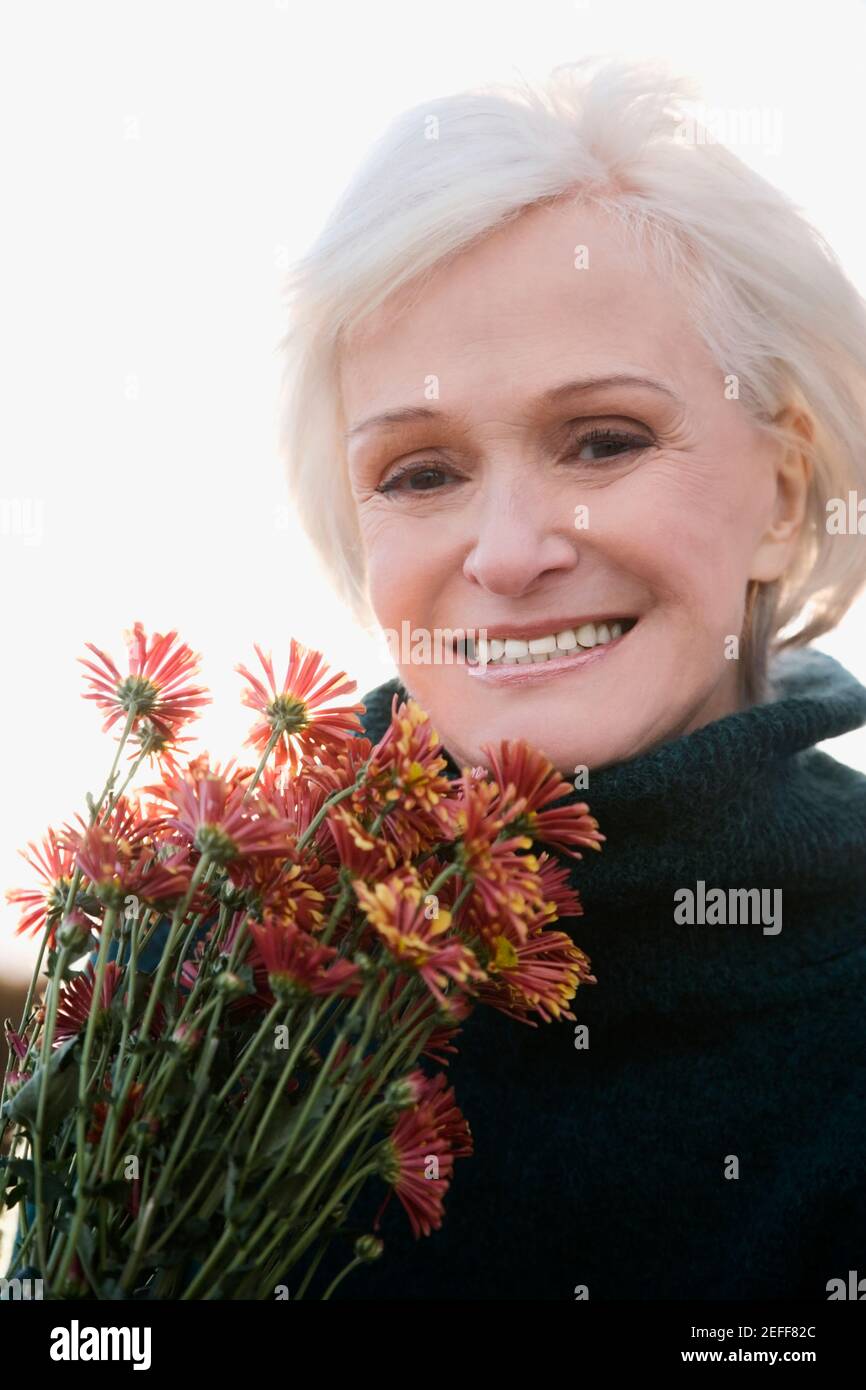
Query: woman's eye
(609, 445)
(418, 478)
(432, 477)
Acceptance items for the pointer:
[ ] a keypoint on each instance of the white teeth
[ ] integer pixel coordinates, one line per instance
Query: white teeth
(511, 650)
(541, 646)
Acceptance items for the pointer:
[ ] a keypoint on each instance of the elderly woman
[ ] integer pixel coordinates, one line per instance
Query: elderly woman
(566, 376)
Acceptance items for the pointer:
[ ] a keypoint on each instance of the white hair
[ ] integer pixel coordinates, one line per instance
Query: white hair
(767, 294)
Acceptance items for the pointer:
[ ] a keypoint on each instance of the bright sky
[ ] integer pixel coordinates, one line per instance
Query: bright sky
(162, 162)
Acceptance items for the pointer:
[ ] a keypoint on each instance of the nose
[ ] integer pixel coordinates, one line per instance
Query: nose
(520, 538)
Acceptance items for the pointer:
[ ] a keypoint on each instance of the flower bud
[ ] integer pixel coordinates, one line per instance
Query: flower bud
(401, 1094)
(368, 1248)
(75, 932)
(187, 1037)
(369, 969)
(227, 982)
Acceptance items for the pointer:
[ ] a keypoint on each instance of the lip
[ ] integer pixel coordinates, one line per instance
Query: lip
(496, 674)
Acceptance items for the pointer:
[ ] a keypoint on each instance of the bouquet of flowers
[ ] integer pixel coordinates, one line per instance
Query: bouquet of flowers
(276, 957)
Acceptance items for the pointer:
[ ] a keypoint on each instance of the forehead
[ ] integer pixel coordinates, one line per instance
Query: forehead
(562, 286)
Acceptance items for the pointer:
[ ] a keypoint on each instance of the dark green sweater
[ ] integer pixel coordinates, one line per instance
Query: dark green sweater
(605, 1167)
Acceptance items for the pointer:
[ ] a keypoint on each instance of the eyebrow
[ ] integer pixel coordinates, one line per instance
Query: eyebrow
(409, 414)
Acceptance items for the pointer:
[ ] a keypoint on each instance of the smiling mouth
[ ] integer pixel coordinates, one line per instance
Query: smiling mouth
(560, 648)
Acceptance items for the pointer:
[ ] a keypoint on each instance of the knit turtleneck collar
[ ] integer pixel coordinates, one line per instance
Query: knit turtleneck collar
(745, 800)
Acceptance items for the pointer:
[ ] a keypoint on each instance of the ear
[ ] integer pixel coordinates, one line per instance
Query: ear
(793, 475)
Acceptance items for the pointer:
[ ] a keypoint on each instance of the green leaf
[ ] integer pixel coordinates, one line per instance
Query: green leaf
(61, 1093)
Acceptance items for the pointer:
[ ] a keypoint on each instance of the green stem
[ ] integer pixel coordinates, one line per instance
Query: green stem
(264, 758)
(326, 807)
(174, 932)
(311, 1269)
(201, 1080)
(70, 899)
(336, 913)
(46, 1041)
(278, 1093)
(216, 1254)
(355, 1099)
(448, 872)
(115, 796)
(358, 1052)
(67, 1249)
(130, 720)
(106, 1142)
(353, 1264)
(188, 939)
(294, 1254)
(205, 1181)
(405, 1040)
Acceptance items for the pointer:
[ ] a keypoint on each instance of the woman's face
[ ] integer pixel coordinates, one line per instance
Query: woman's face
(561, 462)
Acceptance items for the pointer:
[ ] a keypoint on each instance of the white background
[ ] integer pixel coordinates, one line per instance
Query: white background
(161, 165)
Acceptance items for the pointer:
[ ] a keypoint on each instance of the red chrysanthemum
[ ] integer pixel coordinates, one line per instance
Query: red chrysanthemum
(76, 997)
(158, 748)
(562, 897)
(15, 1042)
(133, 1104)
(529, 783)
(43, 907)
(439, 1046)
(295, 892)
(341, 770)
(405, 787)
(361, 853)
(506, 885)
(156, 688)
(297, 711)
(419, 1157)
(295, 960)
(297, 799)
(118, 868)
(397, 910)
(539, 976)
(219, 820)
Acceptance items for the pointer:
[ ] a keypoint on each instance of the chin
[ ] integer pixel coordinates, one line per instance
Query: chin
(565, 751)
(571, 724)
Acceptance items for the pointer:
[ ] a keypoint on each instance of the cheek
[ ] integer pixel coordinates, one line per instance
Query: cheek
(689, 530)
(404, 565)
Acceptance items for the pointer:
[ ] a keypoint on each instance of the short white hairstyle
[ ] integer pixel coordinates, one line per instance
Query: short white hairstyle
(767, 294)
